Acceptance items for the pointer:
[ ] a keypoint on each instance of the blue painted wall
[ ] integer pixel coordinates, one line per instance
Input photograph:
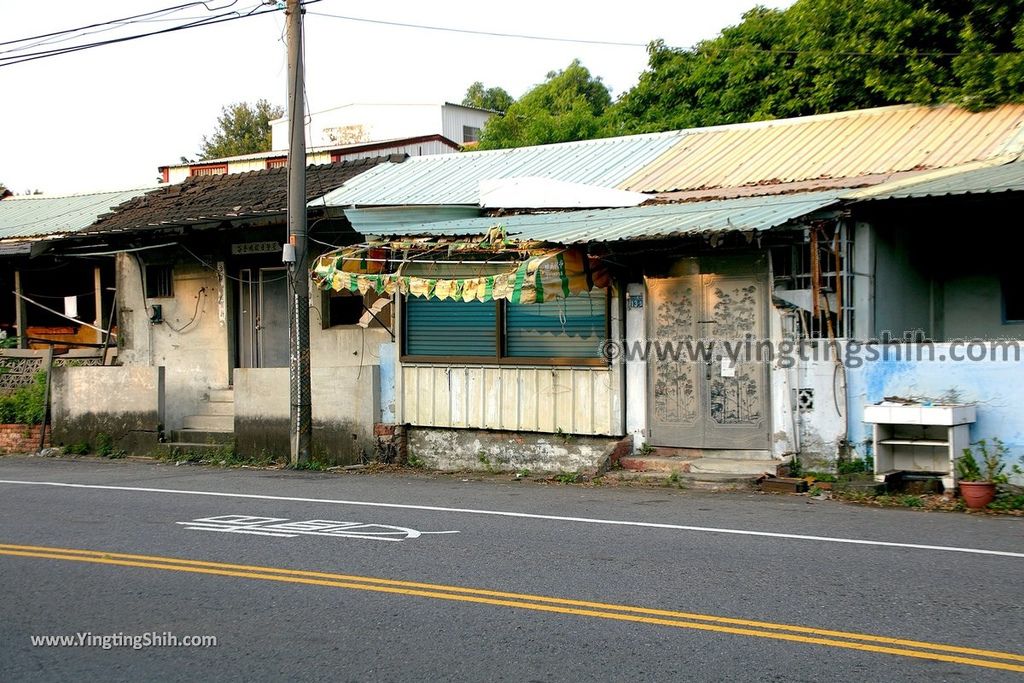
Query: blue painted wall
(388, 360)
(995, 386)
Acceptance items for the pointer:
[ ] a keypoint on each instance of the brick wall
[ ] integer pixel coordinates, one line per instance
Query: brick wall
(20, 439)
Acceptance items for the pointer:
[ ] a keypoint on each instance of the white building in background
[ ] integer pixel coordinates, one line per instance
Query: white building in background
(355, 131)
(360, 123)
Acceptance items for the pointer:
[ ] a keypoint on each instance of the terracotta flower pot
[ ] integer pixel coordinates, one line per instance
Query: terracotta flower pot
(977, 494)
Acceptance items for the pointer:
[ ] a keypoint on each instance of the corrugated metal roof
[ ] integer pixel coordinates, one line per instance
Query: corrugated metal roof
(840, 145)
(41, 215)
(985, 180)
(455, 178)
(641, 222)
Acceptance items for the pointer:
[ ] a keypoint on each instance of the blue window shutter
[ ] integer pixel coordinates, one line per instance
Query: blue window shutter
(563, 328)
(450, 328)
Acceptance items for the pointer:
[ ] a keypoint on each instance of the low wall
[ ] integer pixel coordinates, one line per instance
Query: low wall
(345, 407)
(124, 403)
(503, 451)
(15, 438)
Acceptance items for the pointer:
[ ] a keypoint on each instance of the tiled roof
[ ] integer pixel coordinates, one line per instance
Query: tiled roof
(226, 197)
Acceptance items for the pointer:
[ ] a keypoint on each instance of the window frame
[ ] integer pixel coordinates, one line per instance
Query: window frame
(498, 358)
(156, 274)
(325, 317)
(1004, 287)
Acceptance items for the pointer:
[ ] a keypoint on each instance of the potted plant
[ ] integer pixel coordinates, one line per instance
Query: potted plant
(978, 479)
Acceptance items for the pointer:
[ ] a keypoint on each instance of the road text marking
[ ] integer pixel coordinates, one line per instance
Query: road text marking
(528, 515)
(939, 652)
(280, 527)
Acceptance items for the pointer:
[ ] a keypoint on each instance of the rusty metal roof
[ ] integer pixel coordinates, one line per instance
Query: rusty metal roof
(839, 145)
(634, 223)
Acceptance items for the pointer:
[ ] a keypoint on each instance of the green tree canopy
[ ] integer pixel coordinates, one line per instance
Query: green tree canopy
(241, 129)
(820, 56)
(569, 105)
(496, 99)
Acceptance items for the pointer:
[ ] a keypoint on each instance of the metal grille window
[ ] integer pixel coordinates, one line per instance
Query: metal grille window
(159, 282)
(564, 331)
(208, 169)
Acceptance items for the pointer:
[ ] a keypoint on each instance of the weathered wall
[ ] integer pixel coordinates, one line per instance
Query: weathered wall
(345, 408)
(996, 386)
(903, 290)
(973, 308)
(194, 351)
(504, 451)
(125, 403)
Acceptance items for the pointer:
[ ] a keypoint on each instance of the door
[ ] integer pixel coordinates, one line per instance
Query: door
(263, 318)
(706, 386)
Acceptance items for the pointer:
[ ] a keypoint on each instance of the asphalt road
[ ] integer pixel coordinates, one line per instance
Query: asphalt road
(292, 574)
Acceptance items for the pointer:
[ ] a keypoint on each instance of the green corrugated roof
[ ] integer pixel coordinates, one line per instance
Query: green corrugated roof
(42, 215)
(455, 178)
(641, 222)
(1005, 178)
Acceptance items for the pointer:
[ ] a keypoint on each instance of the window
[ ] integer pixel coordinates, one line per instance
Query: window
(1013, 302)
(470, 134)
(208, 169)
(564, 331)
(348, 308)
(159, 282)
(279, 162)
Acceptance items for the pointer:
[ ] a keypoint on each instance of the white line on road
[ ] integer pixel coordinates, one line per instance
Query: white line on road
(525, 515)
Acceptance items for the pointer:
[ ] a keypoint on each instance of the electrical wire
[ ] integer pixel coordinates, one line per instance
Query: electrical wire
(206, 21)
(195, 314)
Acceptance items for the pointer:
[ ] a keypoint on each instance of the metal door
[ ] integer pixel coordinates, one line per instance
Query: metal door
(699, 396)
(272, 323)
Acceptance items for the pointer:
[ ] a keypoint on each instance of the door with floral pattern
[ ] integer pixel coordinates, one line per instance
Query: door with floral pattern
(707, 383)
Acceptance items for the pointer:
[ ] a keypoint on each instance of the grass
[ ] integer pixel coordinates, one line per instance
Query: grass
(568, 477)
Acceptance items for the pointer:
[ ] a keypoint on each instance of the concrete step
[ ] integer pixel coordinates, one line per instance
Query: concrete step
(726, 466)
(202, 437)
(729, 454)
(210, 423)
(222, 395)
(186, 447)
(218, 408)
(684, 480)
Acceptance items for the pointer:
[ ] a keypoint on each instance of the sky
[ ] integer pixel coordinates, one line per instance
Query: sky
(107, 117)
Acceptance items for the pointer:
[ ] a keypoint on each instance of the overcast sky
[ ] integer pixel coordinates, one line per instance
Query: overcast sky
(106, 118)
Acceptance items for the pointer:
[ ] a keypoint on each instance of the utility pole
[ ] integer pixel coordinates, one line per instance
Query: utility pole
(301, 422)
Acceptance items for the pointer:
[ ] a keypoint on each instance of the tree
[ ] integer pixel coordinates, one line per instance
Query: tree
(569, 105)
(819, 56)
(495, 99)
(241, 129)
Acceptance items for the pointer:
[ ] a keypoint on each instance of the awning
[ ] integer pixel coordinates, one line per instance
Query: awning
(539, 275)
(746, 214)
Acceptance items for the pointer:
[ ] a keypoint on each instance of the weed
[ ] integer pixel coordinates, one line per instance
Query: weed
(481, 456)
(79, 448)
(312, 464)
(568, 477)
(25, 405)
(672, 479)
(645, 449)
(912, 501)
(854, 466)
(821, 476)
(795, 468)
(1008, 502)
(523, 473)
(564, 436)
(413, 461)
(104, 445)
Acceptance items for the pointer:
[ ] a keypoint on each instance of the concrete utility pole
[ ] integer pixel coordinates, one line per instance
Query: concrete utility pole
(301, 423)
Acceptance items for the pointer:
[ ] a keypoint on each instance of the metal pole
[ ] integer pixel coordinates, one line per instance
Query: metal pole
(298, 281)
(46, 399)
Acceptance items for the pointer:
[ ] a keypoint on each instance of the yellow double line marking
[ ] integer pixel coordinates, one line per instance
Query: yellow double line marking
(702, 622)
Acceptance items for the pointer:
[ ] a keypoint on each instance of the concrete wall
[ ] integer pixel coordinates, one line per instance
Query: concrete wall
(903, 290)
(504, 451)
(191, 342)
(125, 403)
(345, 407)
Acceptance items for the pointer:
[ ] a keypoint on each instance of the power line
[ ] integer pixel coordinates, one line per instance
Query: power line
(697, 48)
(206, 21)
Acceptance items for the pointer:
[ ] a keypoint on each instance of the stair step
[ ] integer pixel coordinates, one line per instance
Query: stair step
(222, 396)
(218, 408)
(693, 453)
(202, 437)
(210, 423)
(701, 466)
(686, 480)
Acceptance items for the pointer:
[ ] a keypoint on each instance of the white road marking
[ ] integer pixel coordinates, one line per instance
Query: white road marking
(527, 515)
(280, 527)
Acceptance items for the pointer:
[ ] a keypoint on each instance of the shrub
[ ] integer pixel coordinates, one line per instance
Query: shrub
(26, 405)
